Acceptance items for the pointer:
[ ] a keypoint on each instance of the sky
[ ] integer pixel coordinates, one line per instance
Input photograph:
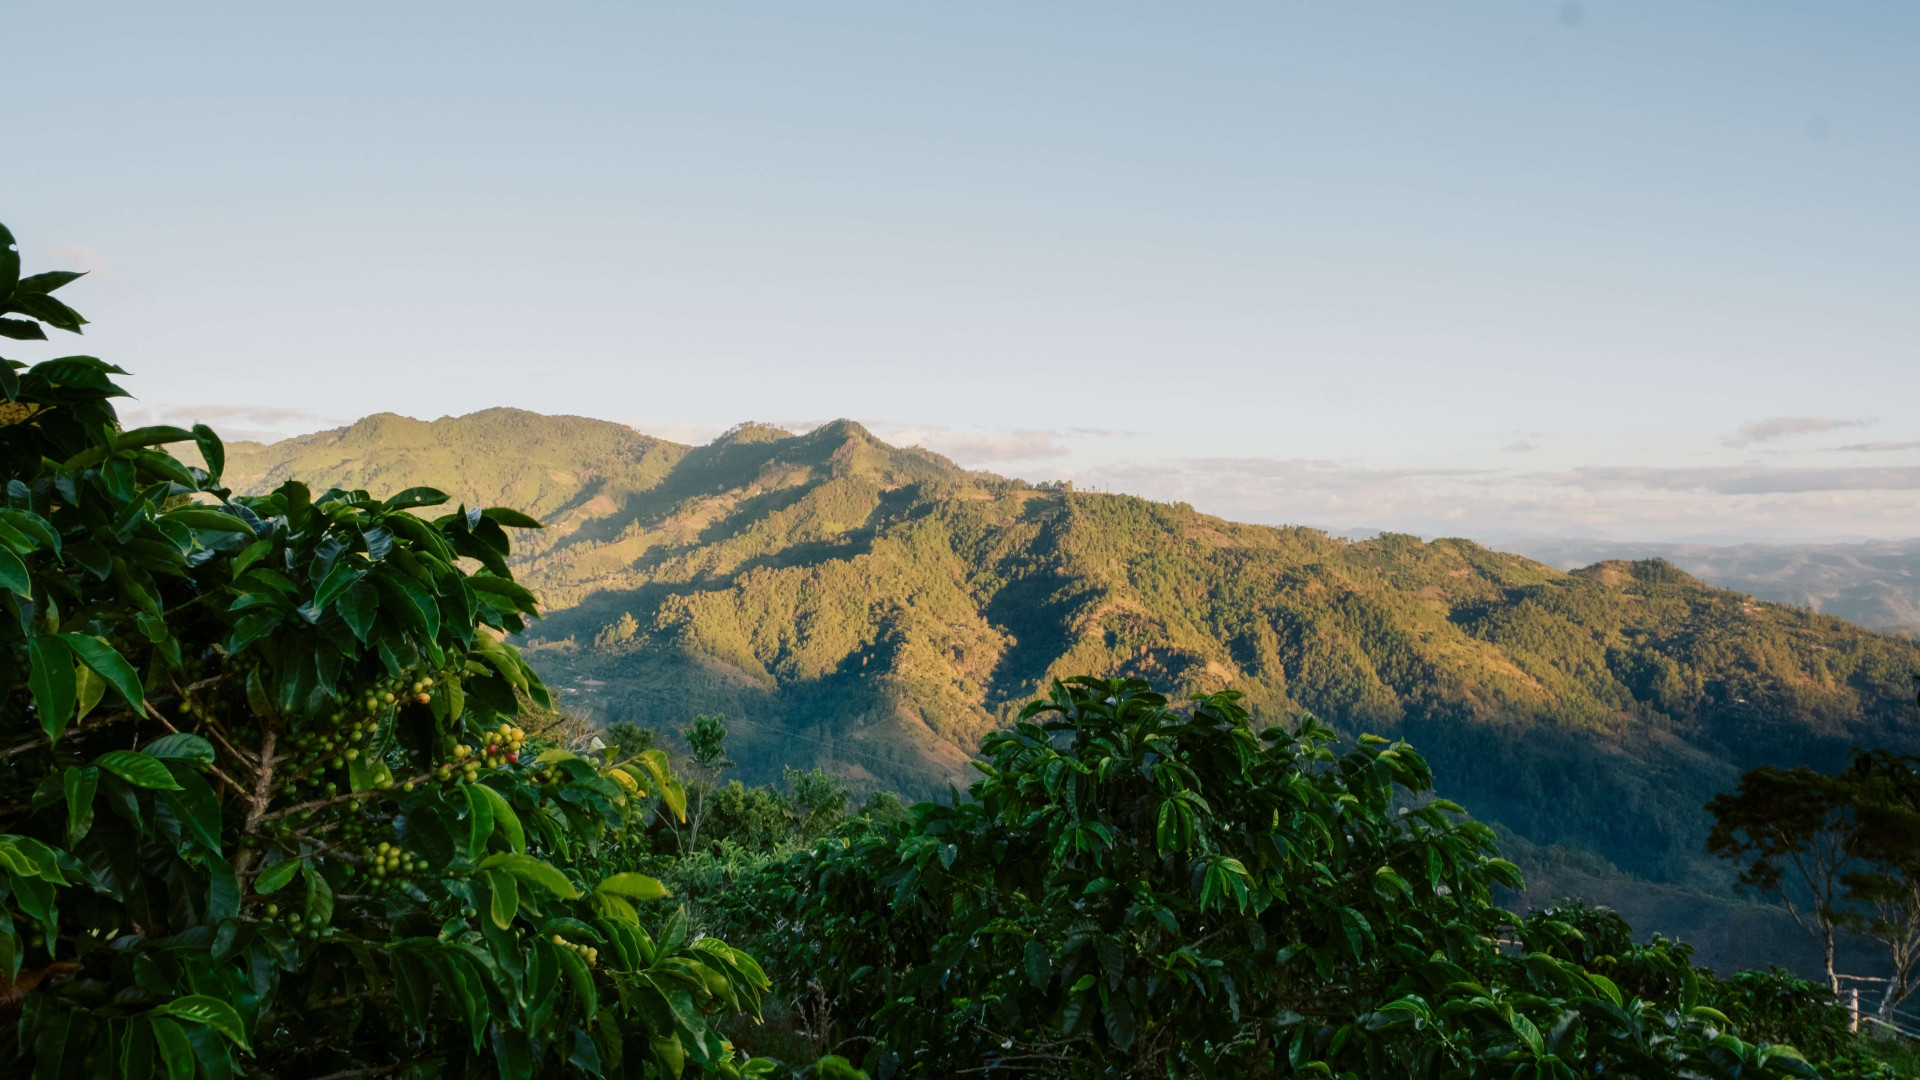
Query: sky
(1626, 270)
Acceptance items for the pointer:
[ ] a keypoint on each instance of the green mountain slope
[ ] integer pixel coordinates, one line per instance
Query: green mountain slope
(877, 609)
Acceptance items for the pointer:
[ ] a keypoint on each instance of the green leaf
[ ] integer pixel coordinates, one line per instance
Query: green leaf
(41, 861)
(176, 1053)
(9, 264)
(511, 518)
(275, 877)
(671, 1055)
(672, 794)
(507, 587)
(342, 577)
(208, 1010)
(413, 497)
(1528, 1033)
(208, 519)
(505, 899)
(614, 907)
(504, 819)
(254, 553)
(47, 310)
(14, 576)
(181, 746)
(212, 450)
(21, 330)
(150, 436)
(89, 688)
(534, 872)
(581, 979)
(52, 682)
(136, 1051)
(138, 769)
(634, 887)
(1039, 964)
(113, 667)
(48, 281)
(319, 894)
(674, 797)
(79, 783)
(479, 820)
(416, 605)
(358, 606)
(513, 1054)
(1120, 1022)
(197, 808)
(32, 524)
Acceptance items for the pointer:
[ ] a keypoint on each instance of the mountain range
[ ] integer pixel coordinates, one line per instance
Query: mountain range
(876, 609)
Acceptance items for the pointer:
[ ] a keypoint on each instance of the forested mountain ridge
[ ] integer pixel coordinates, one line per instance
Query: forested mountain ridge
(878, 609)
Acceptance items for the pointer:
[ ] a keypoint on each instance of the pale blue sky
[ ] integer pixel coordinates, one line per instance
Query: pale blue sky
(1466, 267)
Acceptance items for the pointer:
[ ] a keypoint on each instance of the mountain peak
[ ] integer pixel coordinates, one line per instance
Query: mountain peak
(750, 432)
(1624, 573)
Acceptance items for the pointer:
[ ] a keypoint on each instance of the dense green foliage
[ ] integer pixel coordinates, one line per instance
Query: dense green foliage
(1133, 891)
(267, 806)
(876, 611)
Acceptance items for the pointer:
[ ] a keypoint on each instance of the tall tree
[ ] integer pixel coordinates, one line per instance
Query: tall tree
(1791, 828)
(706, 738)
(1885, 879)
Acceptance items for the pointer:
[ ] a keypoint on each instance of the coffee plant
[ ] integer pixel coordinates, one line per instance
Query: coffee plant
(266, 808)
(1136, 891)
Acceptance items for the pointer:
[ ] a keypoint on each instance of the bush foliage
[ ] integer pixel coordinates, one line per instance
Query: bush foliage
(1137, 891)
(268, 809)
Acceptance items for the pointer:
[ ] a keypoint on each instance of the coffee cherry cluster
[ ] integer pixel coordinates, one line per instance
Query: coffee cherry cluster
(587, 953)
(500, 749)
(328, 743)
(389, 866)
(299, 925)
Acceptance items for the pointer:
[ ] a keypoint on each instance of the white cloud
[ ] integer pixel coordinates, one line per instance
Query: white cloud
(680, 431)
(1746, 480)
(1618, 502)
(984, 446)
(1873, 447)
(1783, 427)
(258, 423)
(83, 258)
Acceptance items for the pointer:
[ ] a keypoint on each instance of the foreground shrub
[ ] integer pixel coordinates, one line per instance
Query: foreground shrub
(1134, 891)
(266, 805)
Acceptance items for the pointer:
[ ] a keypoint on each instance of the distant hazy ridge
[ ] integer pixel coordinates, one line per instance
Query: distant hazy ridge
(1875, 584)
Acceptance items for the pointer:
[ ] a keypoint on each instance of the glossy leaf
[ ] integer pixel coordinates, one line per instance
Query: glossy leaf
(137, 769)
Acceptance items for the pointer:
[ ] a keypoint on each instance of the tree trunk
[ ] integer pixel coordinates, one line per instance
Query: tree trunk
(1833, 980)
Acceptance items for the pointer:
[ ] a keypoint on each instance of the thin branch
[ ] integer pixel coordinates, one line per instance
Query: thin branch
(318, 804)
(256, 802)
(94, 724)
(380, 1070)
